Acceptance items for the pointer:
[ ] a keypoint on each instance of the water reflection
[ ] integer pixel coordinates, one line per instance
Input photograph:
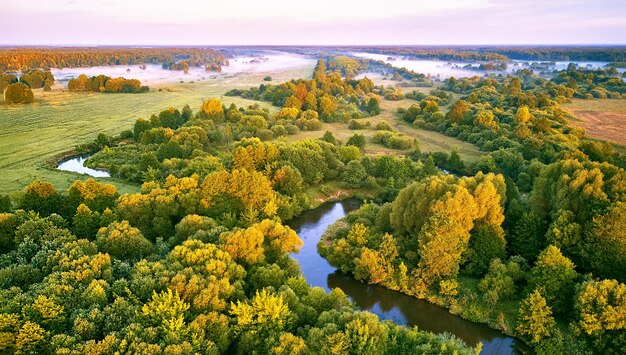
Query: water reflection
(387, 304)
(77, 165)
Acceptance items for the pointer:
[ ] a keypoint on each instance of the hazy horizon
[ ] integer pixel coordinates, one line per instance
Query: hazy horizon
(320, 23)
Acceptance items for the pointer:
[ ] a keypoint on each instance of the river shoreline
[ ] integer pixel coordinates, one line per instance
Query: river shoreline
(387, 303)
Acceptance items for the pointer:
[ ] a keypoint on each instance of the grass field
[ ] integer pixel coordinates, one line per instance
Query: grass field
(33, 135)
(603, 119)
(429, 141)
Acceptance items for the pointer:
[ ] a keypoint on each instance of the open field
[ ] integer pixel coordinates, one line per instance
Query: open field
(604, 119)
(32, 135)
(429, 141)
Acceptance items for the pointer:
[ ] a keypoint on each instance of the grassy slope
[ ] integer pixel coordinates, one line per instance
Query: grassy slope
(32, 135)
(429, 141)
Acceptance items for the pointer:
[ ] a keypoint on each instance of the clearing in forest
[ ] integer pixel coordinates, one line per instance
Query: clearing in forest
(603, 119)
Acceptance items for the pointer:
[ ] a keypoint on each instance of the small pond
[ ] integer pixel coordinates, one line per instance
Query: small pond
(77, 165)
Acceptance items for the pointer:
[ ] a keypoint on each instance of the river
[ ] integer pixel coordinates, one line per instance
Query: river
(387, 304)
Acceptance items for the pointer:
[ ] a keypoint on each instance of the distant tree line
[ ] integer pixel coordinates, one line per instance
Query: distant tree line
(103, 83)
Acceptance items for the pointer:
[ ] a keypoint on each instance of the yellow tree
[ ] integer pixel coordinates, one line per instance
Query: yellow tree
(213, 109)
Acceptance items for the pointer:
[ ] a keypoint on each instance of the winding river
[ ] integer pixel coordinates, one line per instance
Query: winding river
(387, 304)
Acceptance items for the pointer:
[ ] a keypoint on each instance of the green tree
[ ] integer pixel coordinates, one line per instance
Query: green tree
(606, 243)
(328, 137)
(486, 243)
(357, 140)
(123, 241)
(355, 174)
(455, 163)
(528, 236)
(555, 276)
(535, 318)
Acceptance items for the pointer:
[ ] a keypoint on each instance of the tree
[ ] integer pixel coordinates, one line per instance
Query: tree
(370, 267)
(455, 163)
(499, 282)
(328, 137)
(34, 78)
(606, 243)
(442, 241)
(171, 149)
(373, 106)
(355, 174)
(535, 318)
(19, 93)
(327, 108)
(487, 119)
(42, 198)
(165, 310)
(486, 243)
(310, 102)
(212, 109)
(293, 102)
(528, 237)
(555, 276)
(85, 222)
(263, 318)
(245, 246)
(97, 196)
(601, 313)
(522, 115)
(31, 339)
(251, 189)
(123, 241)
(458, 111)
(513, 88)
(5, 204)
(357, 140)
(288, 180)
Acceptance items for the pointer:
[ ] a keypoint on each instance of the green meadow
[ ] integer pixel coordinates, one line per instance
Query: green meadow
(33, 137)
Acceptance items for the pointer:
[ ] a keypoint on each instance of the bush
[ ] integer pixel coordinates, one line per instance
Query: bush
(354, 124)
(357, 140)
(383, 126)
(393, 140)
(19, 93)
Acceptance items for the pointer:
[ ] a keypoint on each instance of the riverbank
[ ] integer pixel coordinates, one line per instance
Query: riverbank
(387, 304)
(463, 300)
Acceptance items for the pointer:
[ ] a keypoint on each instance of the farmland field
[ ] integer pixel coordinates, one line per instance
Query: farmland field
(602, 119)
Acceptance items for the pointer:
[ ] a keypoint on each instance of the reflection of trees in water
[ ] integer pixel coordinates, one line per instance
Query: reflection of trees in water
(311, 218)
(408, 310)
(387, 304)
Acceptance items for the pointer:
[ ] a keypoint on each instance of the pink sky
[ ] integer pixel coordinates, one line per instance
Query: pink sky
(317, 22)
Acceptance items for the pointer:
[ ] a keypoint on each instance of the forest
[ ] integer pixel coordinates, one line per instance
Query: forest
(527, 235)
(67, 57)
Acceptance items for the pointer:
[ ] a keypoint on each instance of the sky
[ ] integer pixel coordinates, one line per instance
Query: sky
(312, 22)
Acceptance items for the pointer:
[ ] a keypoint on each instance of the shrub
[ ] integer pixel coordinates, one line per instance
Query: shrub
(19, 93)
